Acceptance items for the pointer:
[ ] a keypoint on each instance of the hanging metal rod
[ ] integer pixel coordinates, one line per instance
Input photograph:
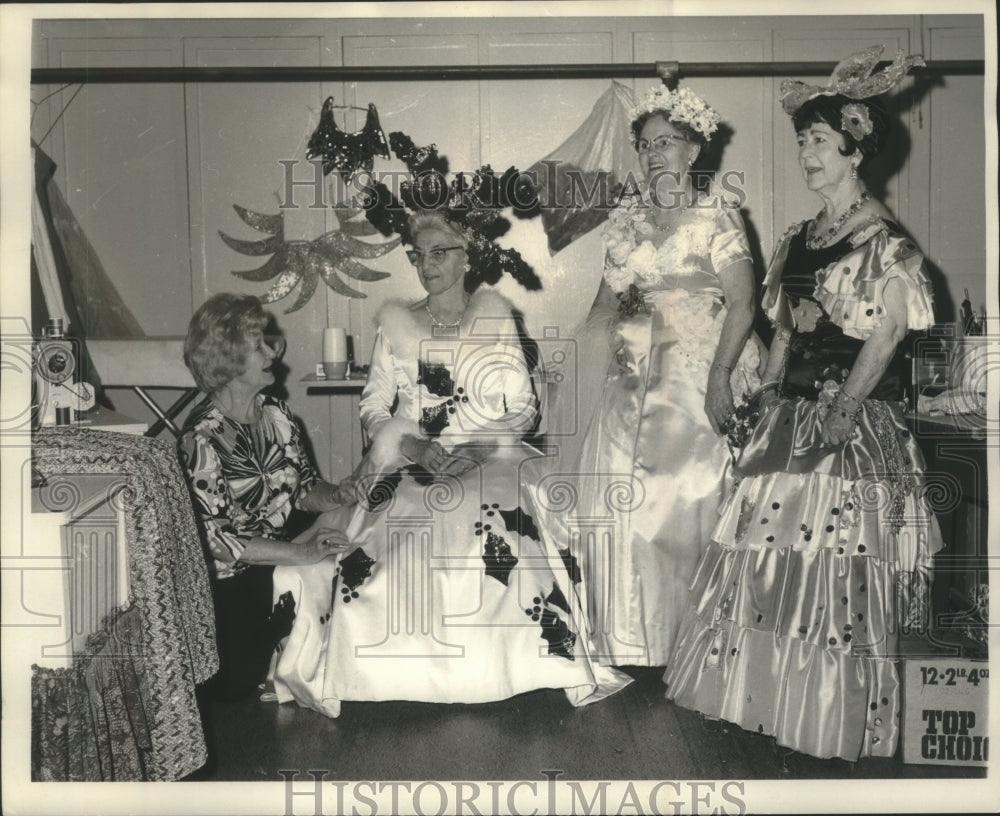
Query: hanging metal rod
(60, 76)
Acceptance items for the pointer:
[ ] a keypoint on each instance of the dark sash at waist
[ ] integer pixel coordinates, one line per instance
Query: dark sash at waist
(826, 353)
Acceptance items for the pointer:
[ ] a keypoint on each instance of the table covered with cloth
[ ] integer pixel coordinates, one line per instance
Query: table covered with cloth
(126, 709)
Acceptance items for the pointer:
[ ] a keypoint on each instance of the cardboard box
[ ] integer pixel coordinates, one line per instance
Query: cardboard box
(945, 714)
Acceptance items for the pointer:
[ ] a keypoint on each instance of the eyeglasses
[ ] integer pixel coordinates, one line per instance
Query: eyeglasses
(435, 256)
(660, 143)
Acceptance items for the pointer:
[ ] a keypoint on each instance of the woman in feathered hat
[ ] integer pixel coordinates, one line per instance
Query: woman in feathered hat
(449, 593)
(822, 553)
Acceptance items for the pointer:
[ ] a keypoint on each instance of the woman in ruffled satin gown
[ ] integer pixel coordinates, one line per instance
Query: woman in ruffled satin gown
(823, 551)
(676, 308)
(448, 594)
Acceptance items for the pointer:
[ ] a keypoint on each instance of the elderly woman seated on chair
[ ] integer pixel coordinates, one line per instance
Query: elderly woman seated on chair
(242, 454)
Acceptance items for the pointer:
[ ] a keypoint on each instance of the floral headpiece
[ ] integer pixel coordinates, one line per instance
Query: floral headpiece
(682, 105)
(472, 203)
(855, 78)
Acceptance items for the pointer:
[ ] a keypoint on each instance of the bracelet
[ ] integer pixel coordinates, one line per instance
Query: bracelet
(770, 385)
(727, 369)
(845, 412)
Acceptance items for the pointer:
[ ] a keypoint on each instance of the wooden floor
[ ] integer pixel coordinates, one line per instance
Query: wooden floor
(635, 734)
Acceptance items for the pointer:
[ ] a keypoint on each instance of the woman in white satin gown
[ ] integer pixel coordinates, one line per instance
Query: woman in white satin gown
(676, 308)
(449, 593)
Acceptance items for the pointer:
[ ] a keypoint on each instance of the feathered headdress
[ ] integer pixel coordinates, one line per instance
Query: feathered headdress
(473, 203)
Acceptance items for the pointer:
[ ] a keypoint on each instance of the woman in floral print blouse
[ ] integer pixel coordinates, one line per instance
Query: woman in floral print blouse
(242, 454)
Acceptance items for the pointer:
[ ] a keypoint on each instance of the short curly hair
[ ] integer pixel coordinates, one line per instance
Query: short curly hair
(219, 336)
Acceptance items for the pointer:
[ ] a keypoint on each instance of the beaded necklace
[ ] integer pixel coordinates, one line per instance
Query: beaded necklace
(438, 324)
(672, 224)
(819, 241)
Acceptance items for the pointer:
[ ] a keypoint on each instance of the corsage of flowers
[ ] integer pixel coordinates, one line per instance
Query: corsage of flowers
(631, 302)
(624, 222)
(682, 105)
(740, 425)
(627, 262)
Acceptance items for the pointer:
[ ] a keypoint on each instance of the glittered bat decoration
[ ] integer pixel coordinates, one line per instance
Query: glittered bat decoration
(305, 262)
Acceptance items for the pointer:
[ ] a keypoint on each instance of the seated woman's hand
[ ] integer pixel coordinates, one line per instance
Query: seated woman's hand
(427, 453)
(466, 456)
(325, 542)
(718, 399)
(345, 493)
(325, 496)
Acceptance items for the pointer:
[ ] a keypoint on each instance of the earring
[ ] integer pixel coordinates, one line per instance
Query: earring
(467, 267)
(854, 171)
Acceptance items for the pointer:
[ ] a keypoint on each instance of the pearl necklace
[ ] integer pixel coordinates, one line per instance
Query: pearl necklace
(814, 241)
(440, 325)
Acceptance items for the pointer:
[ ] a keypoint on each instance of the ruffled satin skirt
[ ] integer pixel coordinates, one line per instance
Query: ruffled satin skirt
(820, 560)
(450, 596)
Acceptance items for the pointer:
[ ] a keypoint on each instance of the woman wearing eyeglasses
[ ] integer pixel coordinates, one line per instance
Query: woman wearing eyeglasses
(676, 307)
(442, 264)
(242, 454)
(450, 594)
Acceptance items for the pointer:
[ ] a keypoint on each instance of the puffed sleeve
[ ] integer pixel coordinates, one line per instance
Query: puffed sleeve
(729, 243)
(852, 291)
(907, 266)
(212, 500)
